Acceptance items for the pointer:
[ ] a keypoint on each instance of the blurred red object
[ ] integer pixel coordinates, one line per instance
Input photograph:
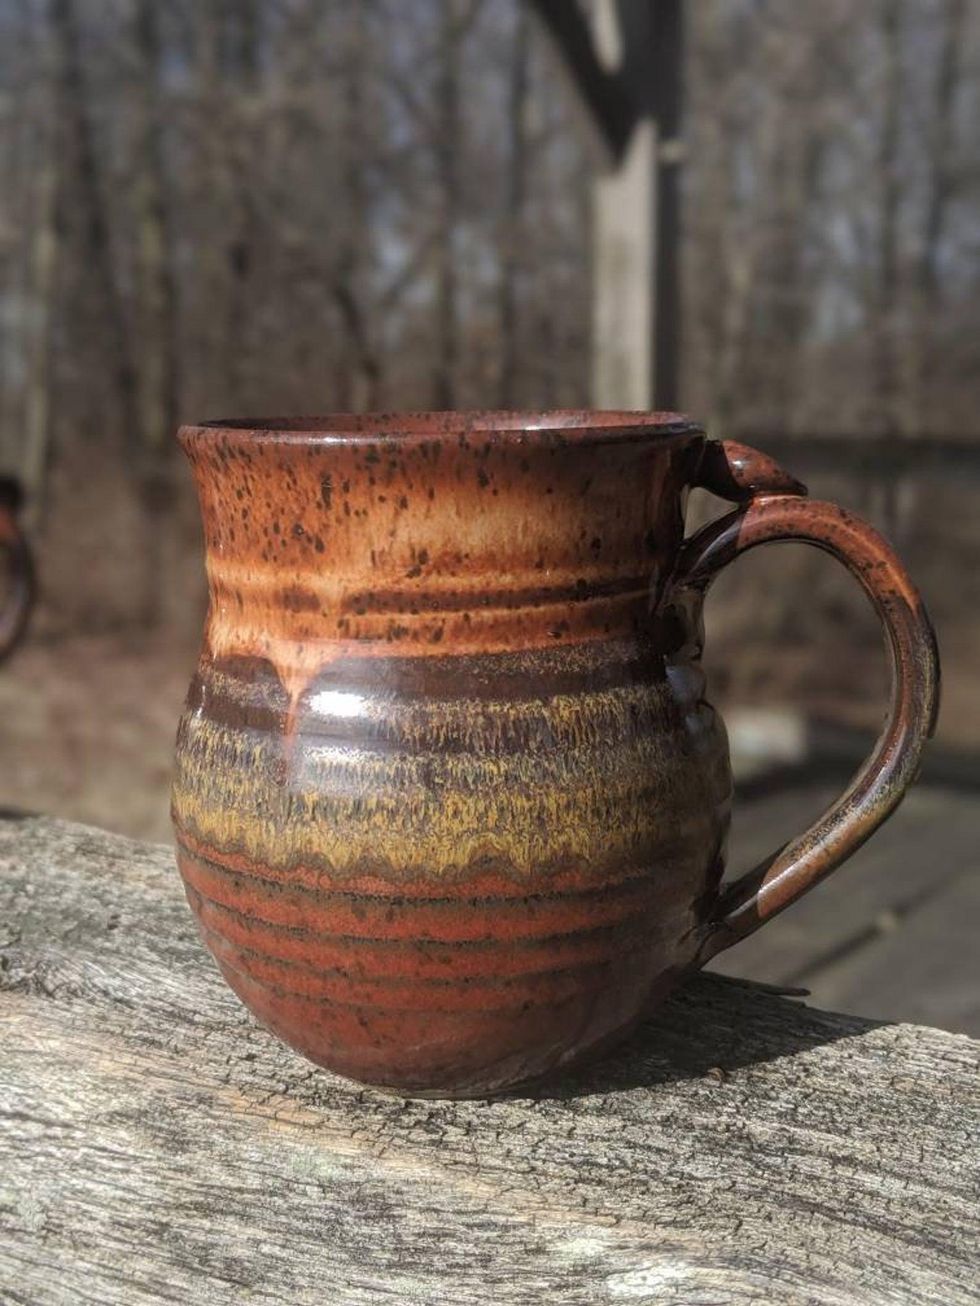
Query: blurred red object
(18, 596)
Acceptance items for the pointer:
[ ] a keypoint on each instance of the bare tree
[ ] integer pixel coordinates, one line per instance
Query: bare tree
(156, 312)
(512, 226)
(455, 19)
(941, 188)
(238, 30)
(359, 371)
(45, 243)
(88, 194)
(885, 291)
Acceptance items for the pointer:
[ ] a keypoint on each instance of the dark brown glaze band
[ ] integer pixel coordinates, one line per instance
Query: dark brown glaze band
(450, 804)
(19, 599)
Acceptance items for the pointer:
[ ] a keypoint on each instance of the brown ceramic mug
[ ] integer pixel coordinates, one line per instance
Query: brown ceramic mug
(450, 803)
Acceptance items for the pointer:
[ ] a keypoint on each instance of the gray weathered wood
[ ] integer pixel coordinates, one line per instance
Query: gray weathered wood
(923, 964)
(890, 935)
(156, 1146)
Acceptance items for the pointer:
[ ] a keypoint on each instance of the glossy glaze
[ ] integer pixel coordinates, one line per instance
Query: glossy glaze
(450, 803)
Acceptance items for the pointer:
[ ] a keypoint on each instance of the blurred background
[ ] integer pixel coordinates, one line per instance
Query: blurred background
(763, 212)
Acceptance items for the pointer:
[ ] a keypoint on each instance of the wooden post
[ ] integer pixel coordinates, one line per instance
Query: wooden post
(626, 67)
(624, 275)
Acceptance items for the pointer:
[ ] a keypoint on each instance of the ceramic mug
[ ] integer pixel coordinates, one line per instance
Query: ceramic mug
(17, 590)
(450, 802)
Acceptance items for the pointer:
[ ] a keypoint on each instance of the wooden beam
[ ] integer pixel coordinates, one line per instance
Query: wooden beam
(603, 95)
(624, 275)
(635, 107)
(157, 1146)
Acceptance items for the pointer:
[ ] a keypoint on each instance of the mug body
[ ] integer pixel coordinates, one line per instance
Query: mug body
(450, 805)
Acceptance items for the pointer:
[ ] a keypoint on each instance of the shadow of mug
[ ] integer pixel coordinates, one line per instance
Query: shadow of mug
(18, 590)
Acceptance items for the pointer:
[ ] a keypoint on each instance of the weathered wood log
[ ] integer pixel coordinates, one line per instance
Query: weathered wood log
(157, 1146)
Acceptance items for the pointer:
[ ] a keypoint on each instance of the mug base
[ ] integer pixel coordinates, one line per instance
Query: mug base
(578, 1062)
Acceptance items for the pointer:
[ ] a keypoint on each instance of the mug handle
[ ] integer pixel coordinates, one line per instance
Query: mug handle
(773, 506)
(20, 600)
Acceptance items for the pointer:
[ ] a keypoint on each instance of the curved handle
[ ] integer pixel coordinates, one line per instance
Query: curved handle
(774, 508)
(20, 597)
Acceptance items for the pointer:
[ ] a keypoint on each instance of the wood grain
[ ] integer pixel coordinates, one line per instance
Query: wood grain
(157, 1146)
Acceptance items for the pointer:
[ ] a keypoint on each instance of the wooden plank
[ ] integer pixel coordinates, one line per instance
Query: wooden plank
(922, 964)
(926, 846)
(624, 275)
(156, 1146)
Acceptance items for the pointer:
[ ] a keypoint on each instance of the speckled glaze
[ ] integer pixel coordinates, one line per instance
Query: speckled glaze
(450, 803)
(17, 589)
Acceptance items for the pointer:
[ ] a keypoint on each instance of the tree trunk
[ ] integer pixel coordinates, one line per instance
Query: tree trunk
(793, 186)
(885, 372)
(741, 259)
(156, 317)
(44, 259)
(941, 186)
(97, 241)
(512, 234)
(447, 149)
(241, 65)
(359, 371)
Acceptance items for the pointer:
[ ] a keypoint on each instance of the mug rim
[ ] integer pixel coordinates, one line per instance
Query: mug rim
(521, 426)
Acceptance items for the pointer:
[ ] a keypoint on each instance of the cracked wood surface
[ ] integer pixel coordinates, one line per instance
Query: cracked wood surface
(157, 1146)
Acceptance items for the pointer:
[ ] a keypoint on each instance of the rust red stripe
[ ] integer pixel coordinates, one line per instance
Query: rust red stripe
(423, 958)
(333, 915)
(296, 987)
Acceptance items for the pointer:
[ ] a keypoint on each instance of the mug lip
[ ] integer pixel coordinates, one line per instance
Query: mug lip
(500, 426)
